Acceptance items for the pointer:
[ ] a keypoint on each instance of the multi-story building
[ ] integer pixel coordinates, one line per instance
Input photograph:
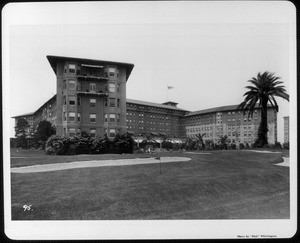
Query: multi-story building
(91, 95)
(158, 119)
(46, 112)
(286, 129)
(227, 120)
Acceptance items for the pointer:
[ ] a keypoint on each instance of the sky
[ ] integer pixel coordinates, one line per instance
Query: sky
(205, 50)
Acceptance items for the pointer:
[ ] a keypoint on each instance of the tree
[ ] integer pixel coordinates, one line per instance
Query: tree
(199, 141)
(265, 88)
(223, 142)
(43, 132)
(22, 133)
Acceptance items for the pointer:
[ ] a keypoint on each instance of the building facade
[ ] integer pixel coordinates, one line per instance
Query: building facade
(158, 119)
(227, 120)
(286, 129)
(91, 96)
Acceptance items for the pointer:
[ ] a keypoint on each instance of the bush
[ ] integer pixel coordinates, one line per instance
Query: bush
(241, 146)
(277, 145)
(266, 146)
(233, 146)
(49, 151)
(286, 145)
(84, 144)
(270, 145)
(58, 144)
(167, 145)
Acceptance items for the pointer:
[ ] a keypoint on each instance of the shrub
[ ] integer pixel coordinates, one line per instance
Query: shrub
(167, 145)
(233, 146)
(100, 145)
(277, 145)
(265, 146)
(270, 145)
(49, 151)
(286, 145)
(241, 146)
(59, 144)
(82, 144)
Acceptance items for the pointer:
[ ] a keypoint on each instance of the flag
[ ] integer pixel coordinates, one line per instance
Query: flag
(170, 87)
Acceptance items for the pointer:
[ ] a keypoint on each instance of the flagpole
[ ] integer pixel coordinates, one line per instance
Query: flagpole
(167, 93)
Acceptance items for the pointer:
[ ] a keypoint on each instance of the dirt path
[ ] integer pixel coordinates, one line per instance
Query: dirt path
(95, 163)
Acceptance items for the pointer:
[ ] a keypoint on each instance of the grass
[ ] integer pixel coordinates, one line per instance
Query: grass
(221, 185)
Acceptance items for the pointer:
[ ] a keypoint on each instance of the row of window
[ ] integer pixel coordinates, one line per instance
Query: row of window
(112, 87)
(71, 68)
(111, 132)
(72, 117)
(113, 102)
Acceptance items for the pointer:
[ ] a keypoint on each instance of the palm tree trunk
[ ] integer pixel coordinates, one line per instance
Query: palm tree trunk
(263, 129)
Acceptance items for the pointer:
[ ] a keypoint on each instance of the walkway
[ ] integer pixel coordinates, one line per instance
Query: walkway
(95, 163)
(286, 162)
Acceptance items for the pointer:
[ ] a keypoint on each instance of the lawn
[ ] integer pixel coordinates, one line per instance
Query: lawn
(222, 185)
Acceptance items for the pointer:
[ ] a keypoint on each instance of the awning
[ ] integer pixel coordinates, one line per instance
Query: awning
(94, 66)
(130, 132)
(163, 134)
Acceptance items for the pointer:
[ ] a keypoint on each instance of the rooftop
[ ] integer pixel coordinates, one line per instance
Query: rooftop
(140, 102)
(216, 109)
(54, 59)
(26, 114)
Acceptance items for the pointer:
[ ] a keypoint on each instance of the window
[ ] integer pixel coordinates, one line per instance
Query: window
(112, 133)
(72, 85)
(112, 102)
(65, 100)
(92, 102)
(78, 101)
(105, 117)
(72, 131)
(78, 131)
(118, 87)
(92, 87)
(92, 117)
(78, 86)
(72, 116)
(112, 117)
(92, 132)
(112, 87)
(65, 116)
(118, 103)
(72, 68)
(105, 102)
(64, 84)
(78, 116)
(71, 100)
(111, 71)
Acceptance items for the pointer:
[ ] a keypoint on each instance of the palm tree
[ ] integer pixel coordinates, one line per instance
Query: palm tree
(199, 140)
(265, 87)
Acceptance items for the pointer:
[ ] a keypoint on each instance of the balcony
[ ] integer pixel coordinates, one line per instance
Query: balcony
(89, 92)
(91, 77)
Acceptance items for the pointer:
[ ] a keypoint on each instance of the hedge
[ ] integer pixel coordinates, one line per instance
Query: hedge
(88, 145)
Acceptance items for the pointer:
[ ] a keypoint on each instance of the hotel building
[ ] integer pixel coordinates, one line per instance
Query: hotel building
(286, 127)
(91, 97)
(227, 120)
